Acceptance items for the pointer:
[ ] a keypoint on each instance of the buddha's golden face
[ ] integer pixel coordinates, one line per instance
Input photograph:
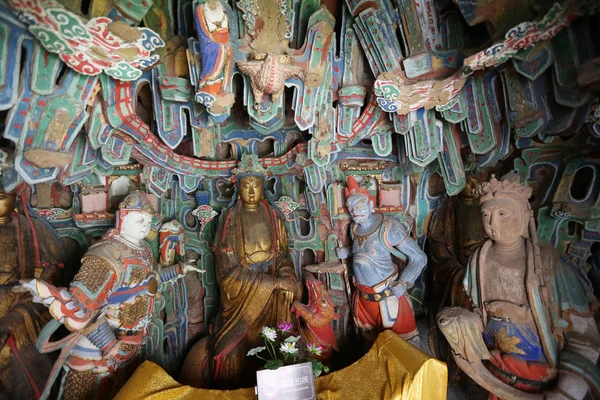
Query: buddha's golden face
(251, 190)
(7, 204)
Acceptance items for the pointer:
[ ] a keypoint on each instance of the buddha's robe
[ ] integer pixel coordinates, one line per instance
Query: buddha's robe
(252, 252)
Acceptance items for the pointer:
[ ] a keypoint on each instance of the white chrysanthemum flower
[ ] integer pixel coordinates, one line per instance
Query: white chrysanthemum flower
(289, 348)
(269, 333)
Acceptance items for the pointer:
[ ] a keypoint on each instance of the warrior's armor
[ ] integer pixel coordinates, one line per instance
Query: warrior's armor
(375, 275)
(111, 298)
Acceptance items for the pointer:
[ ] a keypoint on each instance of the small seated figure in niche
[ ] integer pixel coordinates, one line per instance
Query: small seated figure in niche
(523, 310)
(257, 284)
(379, 301)
(107, 306)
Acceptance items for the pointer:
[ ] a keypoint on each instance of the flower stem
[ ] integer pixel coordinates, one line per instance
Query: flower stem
(271, 349)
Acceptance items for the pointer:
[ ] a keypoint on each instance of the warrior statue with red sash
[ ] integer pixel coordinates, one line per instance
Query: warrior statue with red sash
(379, 301)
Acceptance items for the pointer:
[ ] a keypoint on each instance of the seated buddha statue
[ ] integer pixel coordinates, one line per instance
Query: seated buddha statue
(520, 338)
(29, 248)
(257, 283)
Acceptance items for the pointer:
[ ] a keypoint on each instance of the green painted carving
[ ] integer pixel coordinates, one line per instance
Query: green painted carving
(382, 143)
(412, 33)
(451, 164)
(546, 225)
(160, 18)
(484, 140)
(306, 9)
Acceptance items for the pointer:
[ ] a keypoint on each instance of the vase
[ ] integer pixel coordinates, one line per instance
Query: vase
(292, 382)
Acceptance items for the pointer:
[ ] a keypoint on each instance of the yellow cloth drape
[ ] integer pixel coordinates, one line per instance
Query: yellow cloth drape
(392, 369)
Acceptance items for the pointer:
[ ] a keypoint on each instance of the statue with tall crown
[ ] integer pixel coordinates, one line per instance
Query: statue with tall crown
(257, 283)
(379, 301)
(107, 307)
(523, 337)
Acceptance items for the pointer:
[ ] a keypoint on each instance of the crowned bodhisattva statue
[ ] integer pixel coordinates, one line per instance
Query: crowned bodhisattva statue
(519, 339)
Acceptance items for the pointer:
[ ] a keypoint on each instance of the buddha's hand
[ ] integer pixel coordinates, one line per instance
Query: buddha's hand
(288, 284)
(495, 308)
(342, 253)
(512, 312)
